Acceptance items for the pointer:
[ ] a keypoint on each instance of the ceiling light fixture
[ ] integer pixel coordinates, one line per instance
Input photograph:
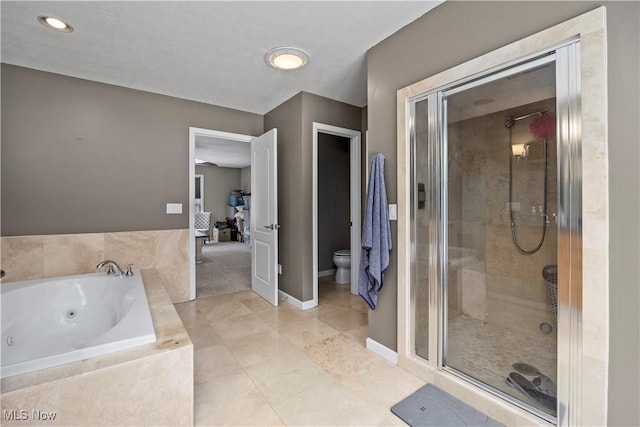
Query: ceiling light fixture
(56, 24)
(286, 58)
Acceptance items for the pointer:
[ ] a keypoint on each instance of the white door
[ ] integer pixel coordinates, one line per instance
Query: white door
(264, 216)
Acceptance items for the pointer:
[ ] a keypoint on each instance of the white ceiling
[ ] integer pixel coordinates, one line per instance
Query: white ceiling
(208, 51)
(224, 153)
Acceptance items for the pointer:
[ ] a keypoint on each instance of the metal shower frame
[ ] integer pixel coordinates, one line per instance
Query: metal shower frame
(568, 99)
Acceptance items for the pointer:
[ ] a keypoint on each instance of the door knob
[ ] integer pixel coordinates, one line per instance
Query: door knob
(272, 226)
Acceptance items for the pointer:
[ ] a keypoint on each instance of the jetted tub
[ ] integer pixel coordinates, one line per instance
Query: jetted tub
(50, 322)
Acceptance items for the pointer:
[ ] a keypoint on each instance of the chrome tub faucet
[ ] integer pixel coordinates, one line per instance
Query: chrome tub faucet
(114, 268)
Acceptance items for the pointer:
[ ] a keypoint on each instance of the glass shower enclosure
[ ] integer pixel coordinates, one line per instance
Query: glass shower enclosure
(489, 212)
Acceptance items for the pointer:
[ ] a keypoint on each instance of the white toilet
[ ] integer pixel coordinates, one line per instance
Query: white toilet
(342, 260)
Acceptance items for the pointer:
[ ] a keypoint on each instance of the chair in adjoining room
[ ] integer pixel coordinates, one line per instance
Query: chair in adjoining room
(202, 223)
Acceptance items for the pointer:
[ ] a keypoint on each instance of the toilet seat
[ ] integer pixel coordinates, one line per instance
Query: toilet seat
(343, 252)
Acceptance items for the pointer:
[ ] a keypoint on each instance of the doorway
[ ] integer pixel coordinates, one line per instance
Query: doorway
(328, 134)
(216, 141)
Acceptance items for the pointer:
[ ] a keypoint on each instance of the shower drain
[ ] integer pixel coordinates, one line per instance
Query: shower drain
(71, 313)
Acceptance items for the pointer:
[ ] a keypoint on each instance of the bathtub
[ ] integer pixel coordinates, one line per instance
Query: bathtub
(50, 322)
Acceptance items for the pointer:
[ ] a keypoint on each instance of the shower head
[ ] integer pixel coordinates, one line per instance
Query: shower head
(510, 122)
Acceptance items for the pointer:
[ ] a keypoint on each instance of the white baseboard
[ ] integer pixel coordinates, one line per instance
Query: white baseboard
(302, 305)
(325, 273)
(382, 351)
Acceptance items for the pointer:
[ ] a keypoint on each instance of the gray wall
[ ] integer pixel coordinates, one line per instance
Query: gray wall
(80, 156)
(444, 38)
(288, 119)
(326, 111)
(623, 35)
(218, 184)
(364, 164)
(294, 120)
(334, 202)
(245, 179)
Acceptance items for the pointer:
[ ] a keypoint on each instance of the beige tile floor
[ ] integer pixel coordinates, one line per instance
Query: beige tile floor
(258, 365)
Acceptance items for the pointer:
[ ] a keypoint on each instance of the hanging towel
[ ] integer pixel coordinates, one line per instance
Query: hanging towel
(376, 235)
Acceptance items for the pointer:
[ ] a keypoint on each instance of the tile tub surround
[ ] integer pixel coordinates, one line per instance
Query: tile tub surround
(147, 385)
(35, 257)
(590, 398)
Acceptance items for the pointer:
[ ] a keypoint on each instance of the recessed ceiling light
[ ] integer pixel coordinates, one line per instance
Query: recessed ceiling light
(55, 24)
(286, 58)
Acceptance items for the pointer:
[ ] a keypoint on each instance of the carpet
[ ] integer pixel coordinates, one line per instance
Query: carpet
(430, 406)
(225, 268)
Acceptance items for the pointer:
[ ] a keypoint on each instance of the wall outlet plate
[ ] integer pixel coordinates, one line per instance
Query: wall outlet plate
(174, 208)
(393, 212)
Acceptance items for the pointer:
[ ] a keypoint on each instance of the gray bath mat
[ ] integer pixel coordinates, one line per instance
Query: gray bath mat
(430, 406)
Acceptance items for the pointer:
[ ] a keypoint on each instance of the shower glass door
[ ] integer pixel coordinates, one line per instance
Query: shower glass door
(501, 234)
(486, 206)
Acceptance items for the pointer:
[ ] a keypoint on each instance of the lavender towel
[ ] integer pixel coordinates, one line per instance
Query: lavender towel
(376, 235)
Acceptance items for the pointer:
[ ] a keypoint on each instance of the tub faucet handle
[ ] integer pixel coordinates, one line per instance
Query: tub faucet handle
(129, 272)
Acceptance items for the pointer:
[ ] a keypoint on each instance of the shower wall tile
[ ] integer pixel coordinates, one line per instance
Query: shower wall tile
(454, 229)
(497, 199)
(473, 235)
(455, 173)
(508, 288)
(453, 293)
(504, 260)
(21, 258)
(473, 198)
(35, 257)
(474, 293)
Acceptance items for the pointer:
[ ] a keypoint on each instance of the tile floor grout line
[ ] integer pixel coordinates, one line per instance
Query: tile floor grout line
(261, 394)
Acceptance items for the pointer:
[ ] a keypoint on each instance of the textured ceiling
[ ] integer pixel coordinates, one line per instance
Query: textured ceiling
(208, 51)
